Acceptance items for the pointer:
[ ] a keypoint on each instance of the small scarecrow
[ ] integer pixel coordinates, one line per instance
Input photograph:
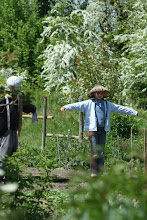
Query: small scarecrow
(11, 108)
(97, 122)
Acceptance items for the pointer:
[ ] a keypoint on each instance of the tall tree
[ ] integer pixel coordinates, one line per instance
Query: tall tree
(70, 36)
(20, 28)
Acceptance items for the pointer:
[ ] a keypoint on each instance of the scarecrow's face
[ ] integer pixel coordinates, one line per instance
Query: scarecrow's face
(99, 95)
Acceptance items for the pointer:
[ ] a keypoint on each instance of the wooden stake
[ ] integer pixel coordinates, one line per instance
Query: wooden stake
(80, 123)
(131, 152)
(67, 148)
(58, 145)
(144, 167)
(118, 146)
(44, 122)
(20, 107)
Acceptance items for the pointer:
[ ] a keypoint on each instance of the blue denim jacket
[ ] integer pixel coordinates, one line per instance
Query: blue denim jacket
(88, 106)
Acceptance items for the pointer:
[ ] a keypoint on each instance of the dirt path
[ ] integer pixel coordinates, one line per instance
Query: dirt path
(60, 177)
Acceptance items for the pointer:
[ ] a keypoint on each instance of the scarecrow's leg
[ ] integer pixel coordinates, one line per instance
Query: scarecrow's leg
(97, 143)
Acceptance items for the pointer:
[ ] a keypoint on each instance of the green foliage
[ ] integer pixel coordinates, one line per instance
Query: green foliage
(96, 67)
(117, 195)
(63, 8)
(20, 34)
(32, 172)
(121, 125)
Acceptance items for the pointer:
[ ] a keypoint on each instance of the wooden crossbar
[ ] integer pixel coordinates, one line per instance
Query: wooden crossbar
(39, 117)
(62, 135)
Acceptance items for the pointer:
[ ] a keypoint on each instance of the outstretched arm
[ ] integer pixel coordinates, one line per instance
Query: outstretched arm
(77, 106)
(122, 109)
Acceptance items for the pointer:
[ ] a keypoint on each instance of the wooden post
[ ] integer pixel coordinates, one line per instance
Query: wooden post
(144, 167)
(58, 145)
(20, 106)
(44, 121)
(80, 122)
(67, 148)
(131, 152)
(118, 146)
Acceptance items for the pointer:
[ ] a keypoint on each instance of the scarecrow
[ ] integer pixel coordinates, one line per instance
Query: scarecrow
(11, 108)
(97, 122)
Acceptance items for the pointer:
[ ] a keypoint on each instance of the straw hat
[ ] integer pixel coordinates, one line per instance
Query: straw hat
(98, 88)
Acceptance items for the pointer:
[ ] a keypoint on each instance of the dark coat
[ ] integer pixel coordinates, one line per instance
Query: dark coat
(14, 115)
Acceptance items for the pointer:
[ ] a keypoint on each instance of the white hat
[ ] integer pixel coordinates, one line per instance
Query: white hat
(14, 82)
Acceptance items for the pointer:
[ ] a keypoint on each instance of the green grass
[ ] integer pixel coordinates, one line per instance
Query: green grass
(62, 122)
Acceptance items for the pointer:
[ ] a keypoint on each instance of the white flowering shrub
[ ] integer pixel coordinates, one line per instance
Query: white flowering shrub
(67, 37)
(134, 56)
(59, 64)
